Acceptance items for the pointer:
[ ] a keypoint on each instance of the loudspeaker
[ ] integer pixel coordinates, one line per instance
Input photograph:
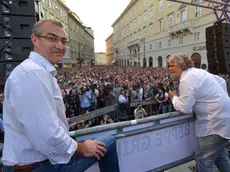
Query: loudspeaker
(219, 62)
(17, 18)
(210, 33)
(16, 26)
(15, 50)
(222, 29)
(223, 41)
(223, 55)
(5, 70)
(17, 7)
(218, 48)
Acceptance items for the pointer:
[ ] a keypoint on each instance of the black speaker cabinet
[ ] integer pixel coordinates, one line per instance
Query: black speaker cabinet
(223, 41)
(17, 7)
(5, 70)
(16, 49)
(222, 29)
(16, 26)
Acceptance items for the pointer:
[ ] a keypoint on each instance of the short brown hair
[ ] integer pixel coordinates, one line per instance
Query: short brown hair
(37, 28)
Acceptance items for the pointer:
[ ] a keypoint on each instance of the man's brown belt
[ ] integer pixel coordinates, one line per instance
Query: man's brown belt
(24, 167)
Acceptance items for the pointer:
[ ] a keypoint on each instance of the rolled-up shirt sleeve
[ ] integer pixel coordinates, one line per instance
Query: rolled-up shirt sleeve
(184, 103)
(36, 109)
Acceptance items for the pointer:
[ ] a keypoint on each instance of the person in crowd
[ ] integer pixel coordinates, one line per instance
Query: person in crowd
(123, 105)
(106, 119)
(74, 101)
(36, 129)
(139, 112)
(162, 98)
(140, 91)
(109, 96)
(85, 97)
(117, 91)
(70, 87)
(205, 95)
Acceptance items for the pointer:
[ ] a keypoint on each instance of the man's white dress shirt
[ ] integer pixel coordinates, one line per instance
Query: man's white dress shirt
(206, 95)
(34, 118)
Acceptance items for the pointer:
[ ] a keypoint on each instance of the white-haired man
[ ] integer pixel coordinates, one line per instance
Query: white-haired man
(206, 95)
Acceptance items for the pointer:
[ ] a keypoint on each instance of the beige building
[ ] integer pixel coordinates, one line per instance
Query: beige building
(100, 58)
(109, 49)
(81, 38)
(148, 32)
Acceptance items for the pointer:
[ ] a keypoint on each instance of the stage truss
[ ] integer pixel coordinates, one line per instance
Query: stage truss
(220, 8)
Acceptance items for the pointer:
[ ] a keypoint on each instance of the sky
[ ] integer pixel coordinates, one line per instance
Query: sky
(99, 15)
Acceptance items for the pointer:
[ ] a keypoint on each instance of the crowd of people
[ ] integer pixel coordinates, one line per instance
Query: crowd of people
(89, 88)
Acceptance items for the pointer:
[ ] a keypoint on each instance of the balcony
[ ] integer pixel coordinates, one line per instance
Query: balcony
(132, 43)
(181, 27)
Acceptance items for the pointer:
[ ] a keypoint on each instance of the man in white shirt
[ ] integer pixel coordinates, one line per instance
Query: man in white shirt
(206, 95)
(36, 129)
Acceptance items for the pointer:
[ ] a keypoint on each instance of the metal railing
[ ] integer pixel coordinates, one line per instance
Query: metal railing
(113, 109)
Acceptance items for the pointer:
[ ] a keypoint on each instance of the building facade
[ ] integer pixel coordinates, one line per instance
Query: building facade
(148, 32)
(100, 58)
(81, 46)
(109, 50)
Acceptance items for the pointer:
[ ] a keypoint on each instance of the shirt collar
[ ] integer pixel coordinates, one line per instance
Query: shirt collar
(184, 73)
(43, 62)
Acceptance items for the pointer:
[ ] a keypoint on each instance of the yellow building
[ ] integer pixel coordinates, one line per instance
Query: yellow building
(109, 49)
(100, 58)
(147, 32)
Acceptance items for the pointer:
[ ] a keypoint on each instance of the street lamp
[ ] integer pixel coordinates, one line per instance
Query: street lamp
(143, 40)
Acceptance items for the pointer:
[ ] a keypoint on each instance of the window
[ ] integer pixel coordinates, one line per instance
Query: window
(145, 13)
(150, 46)
(145, 31)
(151, 29)
(194, 36)
(198, 11)
(159, 44)
(160, 25)
(184, 15)
(169, 42)
(161, 5)
(131, 27)
(50, 3)
(181, 40)
(134, 24)
(151, 12)
(139, 19)
(198, 36)
(170, 20)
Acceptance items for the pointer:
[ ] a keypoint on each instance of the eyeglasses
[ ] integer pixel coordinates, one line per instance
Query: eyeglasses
(54, 39)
